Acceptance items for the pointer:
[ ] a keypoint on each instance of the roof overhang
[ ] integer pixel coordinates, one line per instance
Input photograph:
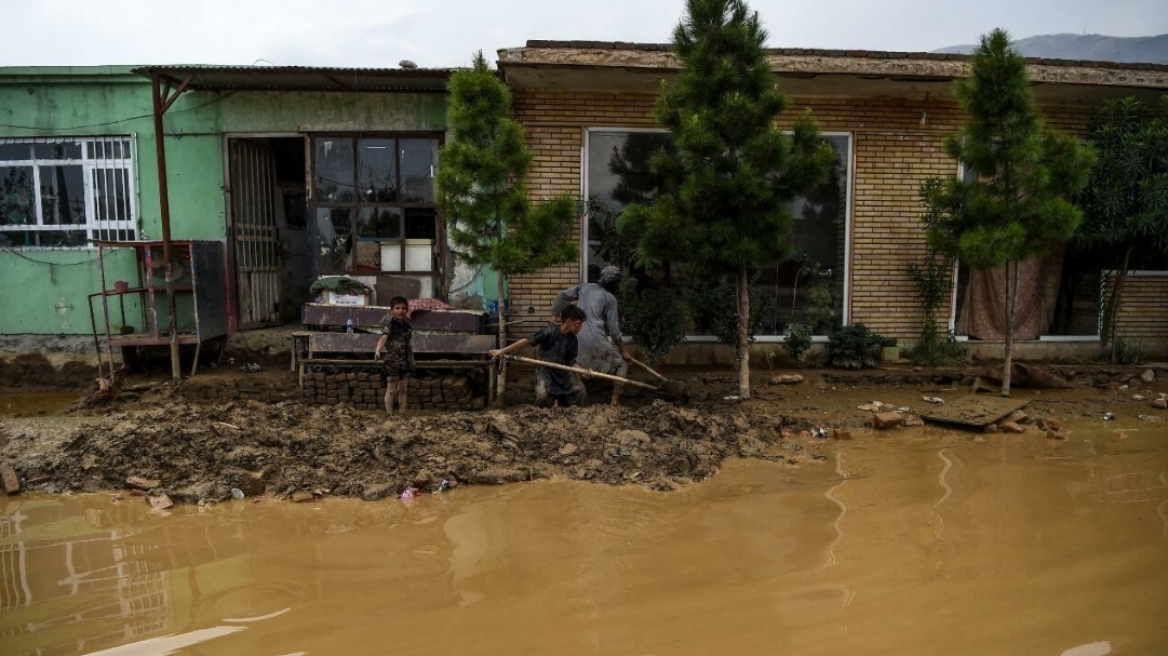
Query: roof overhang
(592, 66)
(302, 78)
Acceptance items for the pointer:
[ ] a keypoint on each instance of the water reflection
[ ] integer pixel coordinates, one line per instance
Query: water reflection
(905, 545)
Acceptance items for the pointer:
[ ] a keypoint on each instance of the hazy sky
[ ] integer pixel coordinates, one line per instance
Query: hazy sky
(447, 32)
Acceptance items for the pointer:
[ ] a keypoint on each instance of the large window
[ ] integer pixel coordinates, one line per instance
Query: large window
(809, 287)
(63, 192)
(375, 208)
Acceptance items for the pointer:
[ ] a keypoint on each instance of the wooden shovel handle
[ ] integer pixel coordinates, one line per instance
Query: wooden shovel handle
(647, 368)
(578, 370)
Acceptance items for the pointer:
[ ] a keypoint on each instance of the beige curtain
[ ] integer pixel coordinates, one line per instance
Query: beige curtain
(984, 309)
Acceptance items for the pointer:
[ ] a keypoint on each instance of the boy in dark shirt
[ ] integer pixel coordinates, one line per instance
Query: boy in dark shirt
(396, 340)
(557, 343)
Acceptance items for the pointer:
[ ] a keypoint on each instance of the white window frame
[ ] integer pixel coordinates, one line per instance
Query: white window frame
(765, 339)
(95, 227)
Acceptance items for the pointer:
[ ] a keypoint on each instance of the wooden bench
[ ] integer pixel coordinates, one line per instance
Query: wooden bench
(443, 339)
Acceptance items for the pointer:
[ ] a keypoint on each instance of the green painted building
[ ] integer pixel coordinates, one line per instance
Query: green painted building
(298, 171)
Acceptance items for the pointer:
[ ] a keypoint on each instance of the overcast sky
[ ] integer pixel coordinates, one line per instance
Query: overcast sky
(447, 32)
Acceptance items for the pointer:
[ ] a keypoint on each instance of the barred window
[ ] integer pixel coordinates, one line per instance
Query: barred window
(63, 192)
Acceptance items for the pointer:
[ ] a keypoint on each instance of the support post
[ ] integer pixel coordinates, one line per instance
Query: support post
(164, 202)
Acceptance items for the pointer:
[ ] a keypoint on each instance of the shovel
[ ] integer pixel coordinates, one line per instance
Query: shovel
(583, 372)
(670, 386)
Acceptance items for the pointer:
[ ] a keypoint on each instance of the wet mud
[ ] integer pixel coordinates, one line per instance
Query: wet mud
(229, 430)
(199, 453)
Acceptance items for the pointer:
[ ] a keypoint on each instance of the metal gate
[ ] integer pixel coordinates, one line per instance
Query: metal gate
(253, 227)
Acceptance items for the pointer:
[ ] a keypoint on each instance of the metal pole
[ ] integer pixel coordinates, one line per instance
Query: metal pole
(164, 202)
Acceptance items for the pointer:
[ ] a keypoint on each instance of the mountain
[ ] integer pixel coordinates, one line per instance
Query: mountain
(1092, 47)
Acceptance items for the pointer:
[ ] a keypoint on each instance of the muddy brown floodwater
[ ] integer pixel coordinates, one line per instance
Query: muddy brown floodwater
(924, 542)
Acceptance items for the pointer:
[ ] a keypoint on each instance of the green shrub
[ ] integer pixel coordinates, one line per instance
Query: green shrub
(856, 347)
(933, 350)
(1129, 352)
(715, 311)
(655, 319)
(820, 312)
(798, 342)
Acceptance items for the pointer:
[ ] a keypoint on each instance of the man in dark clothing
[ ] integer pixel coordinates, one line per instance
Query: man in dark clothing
(557, 343)
(602, 349)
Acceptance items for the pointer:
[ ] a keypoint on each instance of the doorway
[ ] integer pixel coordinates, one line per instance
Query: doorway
(267, 204)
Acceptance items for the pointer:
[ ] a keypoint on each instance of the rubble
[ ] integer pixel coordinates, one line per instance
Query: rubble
(290, 450)
(887, 420)
(160, 502)
(10, 479)
(141, 482)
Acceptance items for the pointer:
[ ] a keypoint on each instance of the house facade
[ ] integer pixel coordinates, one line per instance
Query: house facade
(305, 171)
(587, 108)
(299, 171)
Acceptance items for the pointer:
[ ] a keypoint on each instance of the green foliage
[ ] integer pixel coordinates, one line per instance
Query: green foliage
(1129, 352)
(729, 182)
(933, 278)
(656, 319)
(1126, 200)
(615, 245)
(933, 350)
(1020, 202)
(489, 218)
(1125, 204)
(820, 313)
(856, 347)
(798, 342)
(715, 311)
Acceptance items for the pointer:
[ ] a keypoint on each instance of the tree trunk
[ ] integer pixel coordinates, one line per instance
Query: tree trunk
(1111, 312)
(501, 386)
(1011, 299)
(743, 335)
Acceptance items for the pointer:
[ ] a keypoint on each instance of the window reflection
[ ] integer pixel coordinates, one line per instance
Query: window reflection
(334, 238)
(805, 288)
(334, 170)
(377, 170)
(62, 195)
(419, 165)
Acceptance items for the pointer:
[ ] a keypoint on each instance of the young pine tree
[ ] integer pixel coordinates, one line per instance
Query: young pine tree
(734, 172)
(1019, 204)
(490, 220)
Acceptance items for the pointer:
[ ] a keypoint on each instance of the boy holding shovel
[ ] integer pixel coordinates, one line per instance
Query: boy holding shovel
(557, 344)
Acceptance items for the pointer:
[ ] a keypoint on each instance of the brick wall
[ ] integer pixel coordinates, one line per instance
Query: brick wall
(1144, 313)
(893, 154)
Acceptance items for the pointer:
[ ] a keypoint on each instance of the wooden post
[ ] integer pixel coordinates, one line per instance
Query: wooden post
(164, 202)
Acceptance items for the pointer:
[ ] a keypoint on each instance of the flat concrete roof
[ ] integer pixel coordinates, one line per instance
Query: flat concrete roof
(639, 67)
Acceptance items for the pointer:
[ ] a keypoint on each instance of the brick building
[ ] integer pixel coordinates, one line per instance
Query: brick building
(588, 111)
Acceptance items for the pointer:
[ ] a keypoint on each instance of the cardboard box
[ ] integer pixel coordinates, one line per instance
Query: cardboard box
(351, 300)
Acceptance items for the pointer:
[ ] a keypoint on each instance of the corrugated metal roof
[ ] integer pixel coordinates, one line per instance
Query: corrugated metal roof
(303, 78)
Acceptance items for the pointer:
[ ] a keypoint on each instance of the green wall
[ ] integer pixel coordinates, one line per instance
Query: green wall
(44, 292)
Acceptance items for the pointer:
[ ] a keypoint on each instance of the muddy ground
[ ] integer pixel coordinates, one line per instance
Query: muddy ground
(227, 429)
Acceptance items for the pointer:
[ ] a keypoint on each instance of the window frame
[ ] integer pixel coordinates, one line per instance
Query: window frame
(849, 184)
(437, 275)
(94, 227)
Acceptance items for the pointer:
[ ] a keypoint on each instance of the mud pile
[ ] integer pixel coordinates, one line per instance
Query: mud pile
(200, 453)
